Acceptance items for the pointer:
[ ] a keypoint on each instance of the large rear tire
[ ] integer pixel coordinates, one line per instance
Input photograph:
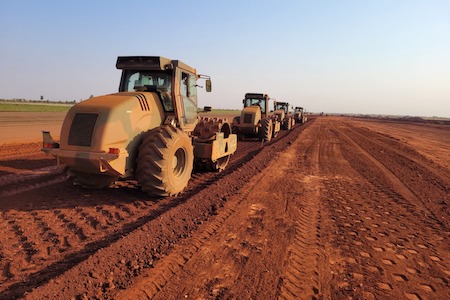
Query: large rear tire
(266, 130)
(288, 124)
(235, 125)
(275, 134)
(165, 161)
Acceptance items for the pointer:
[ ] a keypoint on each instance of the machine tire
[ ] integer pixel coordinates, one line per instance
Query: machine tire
(287, 124)
(91, 181)
(266, 130)
(275, 134)
(165, 161)
(234, 128)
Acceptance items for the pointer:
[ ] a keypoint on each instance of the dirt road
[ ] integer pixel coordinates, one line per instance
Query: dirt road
(336, 209)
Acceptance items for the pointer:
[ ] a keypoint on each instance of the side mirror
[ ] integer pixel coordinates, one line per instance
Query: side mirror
(207, 108)
(208, 85)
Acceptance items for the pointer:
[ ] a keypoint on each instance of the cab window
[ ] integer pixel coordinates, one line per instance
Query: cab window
(188, 91)
(159, 82)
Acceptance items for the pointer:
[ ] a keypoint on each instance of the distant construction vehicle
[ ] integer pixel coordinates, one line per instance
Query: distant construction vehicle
(281, 110)
(299, 115)
(149, 130)
(255, 119)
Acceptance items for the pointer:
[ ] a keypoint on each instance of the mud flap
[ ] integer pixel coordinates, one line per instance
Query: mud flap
(48, 143)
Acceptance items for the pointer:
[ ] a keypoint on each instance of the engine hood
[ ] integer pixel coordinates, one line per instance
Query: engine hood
(251, 115)
(279, 113)
(110, 121)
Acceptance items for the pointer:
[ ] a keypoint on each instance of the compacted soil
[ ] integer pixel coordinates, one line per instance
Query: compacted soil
(337, 208)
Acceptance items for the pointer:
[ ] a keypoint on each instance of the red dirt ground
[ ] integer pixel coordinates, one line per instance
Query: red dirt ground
(337, 208)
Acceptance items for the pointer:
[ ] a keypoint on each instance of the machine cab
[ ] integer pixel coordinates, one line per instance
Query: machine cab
(261, 100)
(282, 106)
(174, 82)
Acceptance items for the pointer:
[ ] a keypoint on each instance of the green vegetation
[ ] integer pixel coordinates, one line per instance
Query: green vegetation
(230, 112)
(33, 107)
(44, 106)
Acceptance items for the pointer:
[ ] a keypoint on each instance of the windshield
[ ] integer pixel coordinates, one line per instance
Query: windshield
(260, 102)
(150, 81)
(147, 80)
(282, 106)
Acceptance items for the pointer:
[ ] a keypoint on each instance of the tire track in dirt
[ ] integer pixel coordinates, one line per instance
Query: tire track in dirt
(428, 140)
(341, 227)
(391, 144)
(153, 281)
(416, 195)
(28, 175)
(229, 253)
(145, 247)
(429, 183)
(70, 223)
(24, 187)
(393, 256)
(301, 276)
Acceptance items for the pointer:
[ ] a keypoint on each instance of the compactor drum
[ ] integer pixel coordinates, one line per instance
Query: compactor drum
(149, 130)
(255, 119)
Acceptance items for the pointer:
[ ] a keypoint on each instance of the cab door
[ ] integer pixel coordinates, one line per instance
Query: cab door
(188, 96)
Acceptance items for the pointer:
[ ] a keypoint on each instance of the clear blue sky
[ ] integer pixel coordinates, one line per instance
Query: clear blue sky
(349, 56)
